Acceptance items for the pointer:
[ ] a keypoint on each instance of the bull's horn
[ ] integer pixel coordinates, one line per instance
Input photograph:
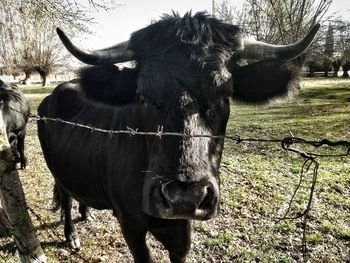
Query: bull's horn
(257, 50)
(115, 54)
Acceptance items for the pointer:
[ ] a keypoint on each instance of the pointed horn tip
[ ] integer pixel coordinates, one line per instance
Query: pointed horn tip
(316, 27)
(61, 34)
(312, 32)
(59, 31)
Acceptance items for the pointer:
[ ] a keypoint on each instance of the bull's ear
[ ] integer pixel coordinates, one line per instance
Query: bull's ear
(261, 81)
(108, 85)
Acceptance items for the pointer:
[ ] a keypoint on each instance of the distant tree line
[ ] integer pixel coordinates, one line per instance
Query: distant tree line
(28, 41)
(333, 52)
(286, 21)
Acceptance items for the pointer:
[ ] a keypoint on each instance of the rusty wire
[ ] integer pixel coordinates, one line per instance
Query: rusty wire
(285, 142)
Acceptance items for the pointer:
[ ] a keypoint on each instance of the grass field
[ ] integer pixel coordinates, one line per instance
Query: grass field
(258, 180)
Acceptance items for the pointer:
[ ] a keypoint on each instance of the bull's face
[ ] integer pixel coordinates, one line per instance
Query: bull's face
(182, 179)
(184, 83)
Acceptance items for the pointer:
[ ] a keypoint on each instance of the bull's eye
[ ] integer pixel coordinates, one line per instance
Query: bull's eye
(146, 101)
(141, 98)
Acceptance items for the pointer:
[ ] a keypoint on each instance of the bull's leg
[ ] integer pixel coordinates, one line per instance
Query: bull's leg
(55, 203)
(86, 213)
(20, 148)
(69, 230)
(13, 140)
(135, 237)
(176, 238)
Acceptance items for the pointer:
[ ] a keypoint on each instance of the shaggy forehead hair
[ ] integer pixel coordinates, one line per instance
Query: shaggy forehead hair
(10, 91)
(200, 30)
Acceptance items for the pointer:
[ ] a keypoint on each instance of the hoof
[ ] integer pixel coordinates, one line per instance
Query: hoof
(74, 244)
(52, 206)
(18, 166)
(73, 241)
(90, 217)
(86, 214)
(23, 166)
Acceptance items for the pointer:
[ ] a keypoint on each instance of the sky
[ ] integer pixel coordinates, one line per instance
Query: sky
(115, 26)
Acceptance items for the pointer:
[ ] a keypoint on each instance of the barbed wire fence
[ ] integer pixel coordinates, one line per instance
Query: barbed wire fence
(287, 143)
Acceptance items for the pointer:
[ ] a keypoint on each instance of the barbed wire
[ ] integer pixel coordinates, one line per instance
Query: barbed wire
(285, 142)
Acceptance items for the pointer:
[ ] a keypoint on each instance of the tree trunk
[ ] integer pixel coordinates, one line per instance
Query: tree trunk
(27, 76)
(311, 72)
(43, 76)
(325, 74)
(336, 67)
(346, 68)
(335, 71)
(44, 79)
(13, 203)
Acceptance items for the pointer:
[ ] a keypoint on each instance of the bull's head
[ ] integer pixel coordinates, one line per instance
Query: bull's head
(186, 72)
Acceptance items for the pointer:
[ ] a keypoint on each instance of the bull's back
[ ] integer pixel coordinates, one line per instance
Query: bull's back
(91, 166)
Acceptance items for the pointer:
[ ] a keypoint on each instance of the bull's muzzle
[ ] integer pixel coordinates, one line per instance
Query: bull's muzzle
(181, 200)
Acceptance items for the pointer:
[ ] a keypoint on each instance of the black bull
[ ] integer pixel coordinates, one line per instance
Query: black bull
(187, 69)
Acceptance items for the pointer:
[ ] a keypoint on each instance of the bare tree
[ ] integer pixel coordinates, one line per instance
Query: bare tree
(274, 21)
(70, 13)
(282, 22)
(28, 41)
(341, 36)
(329, 42)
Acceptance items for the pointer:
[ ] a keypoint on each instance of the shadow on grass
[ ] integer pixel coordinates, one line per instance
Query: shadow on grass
(55, 224)
(9, 248)
(55, 244)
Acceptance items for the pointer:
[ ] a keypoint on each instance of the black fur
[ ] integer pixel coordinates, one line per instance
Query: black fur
(199, 30)
(15, 110)
(115, 87)
(264, 80)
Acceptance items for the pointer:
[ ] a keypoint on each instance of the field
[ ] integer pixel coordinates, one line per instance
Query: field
(257, 182)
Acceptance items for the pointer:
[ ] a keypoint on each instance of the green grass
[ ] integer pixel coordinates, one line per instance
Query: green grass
(261, 177)
(319, 111)
(37, 89)
(257, 182)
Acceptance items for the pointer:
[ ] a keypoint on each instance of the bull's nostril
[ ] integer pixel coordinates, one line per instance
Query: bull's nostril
(187, 200)
(207, 202)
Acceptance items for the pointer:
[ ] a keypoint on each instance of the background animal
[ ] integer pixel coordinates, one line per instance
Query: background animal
(15, 110)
